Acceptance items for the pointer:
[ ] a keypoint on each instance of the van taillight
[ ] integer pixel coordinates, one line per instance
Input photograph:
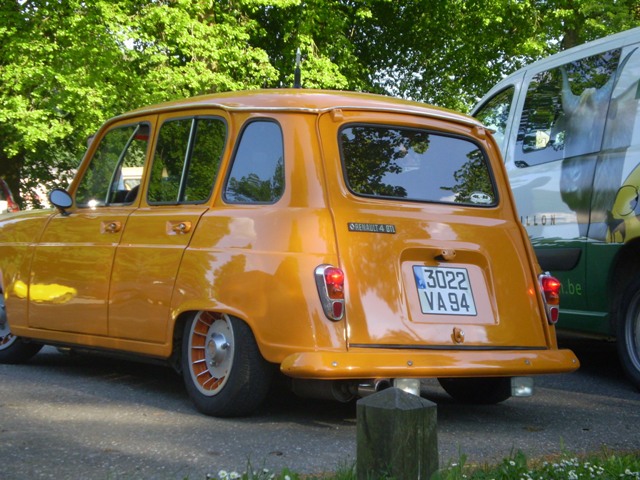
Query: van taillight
(551, 293)
(330, 283)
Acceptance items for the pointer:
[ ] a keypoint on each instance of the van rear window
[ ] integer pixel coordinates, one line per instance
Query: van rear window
(417, 165)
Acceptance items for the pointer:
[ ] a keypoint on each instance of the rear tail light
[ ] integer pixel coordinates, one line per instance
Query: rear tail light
(550, 287)
(330, 283)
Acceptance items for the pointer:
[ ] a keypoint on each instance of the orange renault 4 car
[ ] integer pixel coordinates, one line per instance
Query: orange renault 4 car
(351, 241)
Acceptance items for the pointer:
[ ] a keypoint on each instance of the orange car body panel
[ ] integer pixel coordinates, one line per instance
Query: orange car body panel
(125, 274)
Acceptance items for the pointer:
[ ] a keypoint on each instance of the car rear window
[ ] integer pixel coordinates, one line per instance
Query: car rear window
(414, 164)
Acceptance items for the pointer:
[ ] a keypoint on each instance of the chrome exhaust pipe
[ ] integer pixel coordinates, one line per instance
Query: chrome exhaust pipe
(373, 386)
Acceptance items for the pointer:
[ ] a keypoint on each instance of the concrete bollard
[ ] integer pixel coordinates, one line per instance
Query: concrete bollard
(396, 436)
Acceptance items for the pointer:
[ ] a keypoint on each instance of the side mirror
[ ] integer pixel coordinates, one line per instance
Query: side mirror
(61, 199)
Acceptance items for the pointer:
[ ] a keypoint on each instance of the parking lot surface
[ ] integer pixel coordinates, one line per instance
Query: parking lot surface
(94, 417)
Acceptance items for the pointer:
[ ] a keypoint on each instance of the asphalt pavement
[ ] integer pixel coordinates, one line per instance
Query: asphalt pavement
(94, 417)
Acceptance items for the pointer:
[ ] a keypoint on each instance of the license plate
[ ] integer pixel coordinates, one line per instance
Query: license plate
(444, 290)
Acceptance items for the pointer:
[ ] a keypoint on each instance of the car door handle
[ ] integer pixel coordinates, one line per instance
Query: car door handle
(111, 227)
(179, 227)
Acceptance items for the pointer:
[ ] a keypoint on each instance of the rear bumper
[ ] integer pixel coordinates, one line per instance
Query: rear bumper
(381, 363)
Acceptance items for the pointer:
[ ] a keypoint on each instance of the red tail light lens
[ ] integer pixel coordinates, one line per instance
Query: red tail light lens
(551, 290)
(334, 279)
(551, 287)
(330, 283)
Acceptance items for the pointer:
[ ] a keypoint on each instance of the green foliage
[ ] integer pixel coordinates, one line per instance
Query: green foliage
(68, 65)
(252, 189)
(472, 177)
(344, 473)
(608, 466)
(373, 152)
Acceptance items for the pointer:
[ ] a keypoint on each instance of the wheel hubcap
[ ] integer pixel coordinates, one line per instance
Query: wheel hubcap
(632, 331)
(217, 348)
(210, 351)
(633, 335)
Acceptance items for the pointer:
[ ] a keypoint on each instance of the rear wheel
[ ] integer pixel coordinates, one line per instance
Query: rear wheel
(485, 391)
(222, 367)
(13, 349)
(628, 332)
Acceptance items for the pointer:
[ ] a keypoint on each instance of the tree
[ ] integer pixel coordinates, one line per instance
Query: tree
(324, 31)
(450, 53)
(68, 65)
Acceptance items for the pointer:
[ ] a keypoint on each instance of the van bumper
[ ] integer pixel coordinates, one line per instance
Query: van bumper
(386, 363)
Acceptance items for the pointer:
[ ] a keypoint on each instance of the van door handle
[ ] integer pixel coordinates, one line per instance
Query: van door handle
(180, 227)
(111, 227)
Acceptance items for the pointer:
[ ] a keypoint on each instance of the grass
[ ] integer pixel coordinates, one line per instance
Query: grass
(605, 466)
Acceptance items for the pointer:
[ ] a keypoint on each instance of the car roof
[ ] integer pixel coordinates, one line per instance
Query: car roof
(304, 100)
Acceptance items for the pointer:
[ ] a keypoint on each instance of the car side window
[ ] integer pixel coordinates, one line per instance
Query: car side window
(121, 150)
(186, 160)
(257, 174)
(565, 109)
(495, 113)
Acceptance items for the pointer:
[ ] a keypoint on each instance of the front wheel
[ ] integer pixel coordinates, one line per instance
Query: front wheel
(628, 332)
(223, 370)
(486, 391)
(13, 349)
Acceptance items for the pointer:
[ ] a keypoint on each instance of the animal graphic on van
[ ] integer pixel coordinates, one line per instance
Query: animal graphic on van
(623, 223)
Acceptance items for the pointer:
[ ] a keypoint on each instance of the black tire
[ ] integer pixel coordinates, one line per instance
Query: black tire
(628, 332)
(13, 349)
(484, 391)
(223, 370)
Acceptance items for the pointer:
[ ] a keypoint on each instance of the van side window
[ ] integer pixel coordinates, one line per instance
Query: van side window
(418, 165)
(625, 99)
(120, 150)
(186, 160)
(495, 112)
(565, 109)
(257, 174)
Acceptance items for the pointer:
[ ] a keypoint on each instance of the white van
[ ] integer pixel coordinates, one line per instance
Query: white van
(569, 130)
